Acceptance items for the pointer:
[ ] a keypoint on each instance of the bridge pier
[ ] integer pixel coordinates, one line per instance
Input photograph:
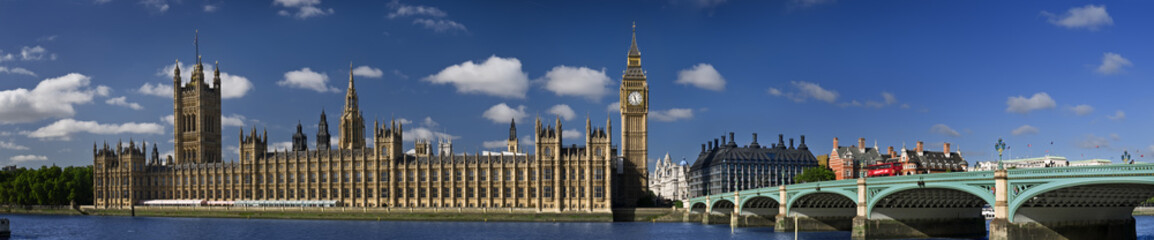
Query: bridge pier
(1068, 223)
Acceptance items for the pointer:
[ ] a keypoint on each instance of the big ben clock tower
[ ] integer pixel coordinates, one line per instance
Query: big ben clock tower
(634, 129)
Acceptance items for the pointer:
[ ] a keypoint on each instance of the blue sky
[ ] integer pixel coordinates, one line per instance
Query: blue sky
(1069, 72)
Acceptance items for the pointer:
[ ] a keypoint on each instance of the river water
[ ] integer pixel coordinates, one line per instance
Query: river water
(102, 227)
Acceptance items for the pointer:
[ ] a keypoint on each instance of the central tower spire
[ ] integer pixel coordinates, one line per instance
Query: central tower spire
(352, 123)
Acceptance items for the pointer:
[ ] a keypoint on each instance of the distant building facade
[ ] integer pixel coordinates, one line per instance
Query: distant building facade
(552, 177)
(668, 181)
(851, 162)
(1038, 162)
(726, 167)
(921, 161)
(847, 162)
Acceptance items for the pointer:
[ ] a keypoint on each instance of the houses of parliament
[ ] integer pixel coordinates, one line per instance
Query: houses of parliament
(550, 177)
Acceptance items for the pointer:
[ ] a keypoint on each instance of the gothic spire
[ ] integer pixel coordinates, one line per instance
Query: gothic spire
(513, 129)
(351, 94)
(633, 52)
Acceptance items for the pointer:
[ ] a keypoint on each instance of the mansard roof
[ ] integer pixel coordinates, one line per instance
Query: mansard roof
(868, 155)
(937, 160)
(728, 154)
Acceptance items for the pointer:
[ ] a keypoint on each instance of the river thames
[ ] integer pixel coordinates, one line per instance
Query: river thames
(102, 227)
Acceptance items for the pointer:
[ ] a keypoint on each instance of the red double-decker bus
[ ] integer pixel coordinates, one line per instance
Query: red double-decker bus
(884, 169)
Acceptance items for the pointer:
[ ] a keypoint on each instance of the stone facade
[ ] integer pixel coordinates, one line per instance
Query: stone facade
(634, 99)
(552, 177)
(668, 180)
(726, 167)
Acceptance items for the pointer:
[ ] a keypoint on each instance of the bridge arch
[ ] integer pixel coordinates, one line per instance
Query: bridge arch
(820, 197)
(722, 204)
(985, 196)
(698, 207)
(759, 202)
(1122, 194)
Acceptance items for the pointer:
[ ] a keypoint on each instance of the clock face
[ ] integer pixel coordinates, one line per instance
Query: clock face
(635, 98)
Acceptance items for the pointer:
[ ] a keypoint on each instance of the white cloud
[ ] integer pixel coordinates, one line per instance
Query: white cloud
(702, 76)
(571, 134)
(64, 128)
(123, 102)
(502, 113)
(232, 120)
(52, 98)
(12, 146)
(577, 81)
(16, 70)
(307, 79)
(281, 146)
(428, 122)
(1024, 130)
(211, 8)
(428, 17)
(232, 86)
(369, 72)
(1118, 115)
(404, 121)
(27, 158)
(1091, 141)
(944, 130)
(305, 8)
(1115, 137)
(1082, 109)
(35, 53)
(499, 144)
(1023, 105)
(6, 57)
(1089, 17)
(157, 6)
(563, 111)
(671, 115)
(1112, 63)
(440, 25)
(500, 77)
(426, 134)
(159, 90)
(402, 10)
(889, 98)
(806, 90)
(614, 107)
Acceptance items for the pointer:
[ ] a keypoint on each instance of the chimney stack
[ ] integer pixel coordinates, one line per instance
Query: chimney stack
(803, 139)
(891, 151)
(946, 149)
(754, 137)
(731, 138)
(781, 140)
(715, 146)
(723, 140)
(835, 143)
(791, 143)
(702, 147)
(919, 148)
(861, 144)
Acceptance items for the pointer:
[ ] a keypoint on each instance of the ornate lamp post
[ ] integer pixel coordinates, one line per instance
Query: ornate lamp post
(1000, 146)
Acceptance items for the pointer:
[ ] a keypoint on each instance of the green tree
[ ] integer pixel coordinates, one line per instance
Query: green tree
(814, 174)
(46, 186)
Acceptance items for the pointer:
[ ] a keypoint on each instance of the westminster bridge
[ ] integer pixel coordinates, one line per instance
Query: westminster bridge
(1092, 202)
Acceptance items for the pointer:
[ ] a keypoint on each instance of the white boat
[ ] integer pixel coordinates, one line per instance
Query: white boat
(988, 213)
(4, 232)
